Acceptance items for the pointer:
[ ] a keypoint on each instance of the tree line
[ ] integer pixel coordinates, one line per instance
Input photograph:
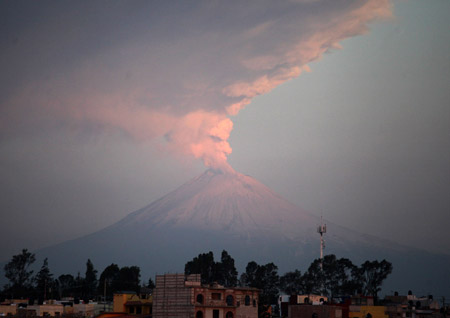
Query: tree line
(330, 277)
(42, 285)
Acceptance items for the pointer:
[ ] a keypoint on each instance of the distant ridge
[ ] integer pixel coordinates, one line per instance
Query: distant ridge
(228, 210)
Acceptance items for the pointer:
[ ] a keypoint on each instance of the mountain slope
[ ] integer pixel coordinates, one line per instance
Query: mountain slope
(229, 202)
(231, 211)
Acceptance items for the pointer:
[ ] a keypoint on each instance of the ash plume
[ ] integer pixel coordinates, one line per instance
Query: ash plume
(170, 73)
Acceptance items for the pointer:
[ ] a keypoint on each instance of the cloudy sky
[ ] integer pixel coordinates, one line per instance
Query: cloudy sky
(341, 106)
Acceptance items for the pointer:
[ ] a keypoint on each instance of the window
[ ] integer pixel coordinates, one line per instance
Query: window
(131, 310)
(138, 310)
(200, 298)
(254, 302)
(247, 300)
(230, 300)
(216, 313)
(229, 315)
(216, 296)
(199, 314)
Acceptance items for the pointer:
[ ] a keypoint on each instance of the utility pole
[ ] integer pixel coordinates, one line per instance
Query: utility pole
(104, 295)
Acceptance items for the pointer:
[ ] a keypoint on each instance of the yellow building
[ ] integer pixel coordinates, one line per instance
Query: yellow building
(133, 304)
(367, 312)
(363, 307)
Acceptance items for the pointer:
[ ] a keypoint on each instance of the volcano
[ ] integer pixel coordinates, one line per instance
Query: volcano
(231, 211)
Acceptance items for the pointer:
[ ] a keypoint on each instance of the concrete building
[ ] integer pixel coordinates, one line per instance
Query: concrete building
(47, 310)
(132, 303)
(11, 306)
(314, 311)
(363, 307)
(311, 299)
(51, 308)
(347, 307)
(183, 296)
(284, 301)
(8, 310)
(411, 306)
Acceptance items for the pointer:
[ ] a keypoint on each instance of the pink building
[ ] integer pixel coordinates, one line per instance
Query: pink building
(183, 296)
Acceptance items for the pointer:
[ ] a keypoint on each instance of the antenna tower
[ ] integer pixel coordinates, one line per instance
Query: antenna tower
(321, 229)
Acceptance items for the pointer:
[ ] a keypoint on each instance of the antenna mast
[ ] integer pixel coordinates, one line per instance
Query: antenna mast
(321, 230)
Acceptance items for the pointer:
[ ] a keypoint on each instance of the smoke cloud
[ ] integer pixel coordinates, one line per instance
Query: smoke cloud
(172, 73)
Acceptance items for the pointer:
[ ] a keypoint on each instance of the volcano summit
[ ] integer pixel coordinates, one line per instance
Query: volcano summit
(228, 210)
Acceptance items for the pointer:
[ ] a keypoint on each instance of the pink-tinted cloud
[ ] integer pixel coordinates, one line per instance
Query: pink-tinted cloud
(174, 74)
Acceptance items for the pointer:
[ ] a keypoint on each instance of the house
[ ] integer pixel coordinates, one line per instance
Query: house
(285, 301)
(47, 310)
(179, 296)
(311, 299)
(314, 311)
(364, 307)
(11, 306)
(132, 303)
(412, 306)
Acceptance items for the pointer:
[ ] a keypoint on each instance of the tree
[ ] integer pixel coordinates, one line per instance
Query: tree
(150, 284)
(292, 283)
(18, 273)
(226, 272)
(264, 277)
(372, 275)
(314, 279)
(78, 288)
(249, 277)
(204, 265)
(339, 276)
(268, 274)
(107, 280)
(128, 278)
(223, 272)
(331, 277)
(347, 278)
(66, 285)
(90, 280)
(44, 281)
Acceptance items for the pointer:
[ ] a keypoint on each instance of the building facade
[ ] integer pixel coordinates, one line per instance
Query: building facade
(183, 296)
(132, 303)
(314, 311)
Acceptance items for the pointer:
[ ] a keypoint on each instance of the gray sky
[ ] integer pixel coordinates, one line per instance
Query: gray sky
(106, 106)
